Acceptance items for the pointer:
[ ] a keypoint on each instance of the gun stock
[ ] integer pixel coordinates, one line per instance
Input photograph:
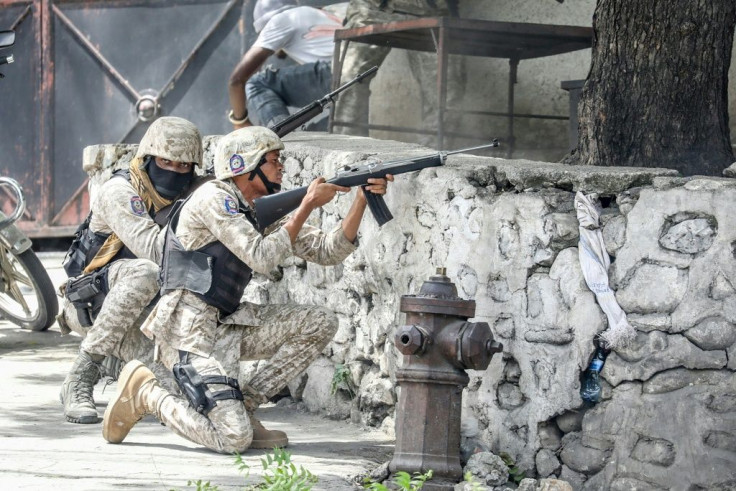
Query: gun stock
(272, 208)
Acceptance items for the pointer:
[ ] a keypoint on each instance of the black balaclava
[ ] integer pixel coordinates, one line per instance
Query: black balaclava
(271, 187)
(168, 183)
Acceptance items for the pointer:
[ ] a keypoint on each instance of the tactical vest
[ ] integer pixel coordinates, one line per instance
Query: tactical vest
(87, 243)
(213, 273)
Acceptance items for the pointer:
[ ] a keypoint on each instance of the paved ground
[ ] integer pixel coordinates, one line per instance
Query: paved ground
(40, 450)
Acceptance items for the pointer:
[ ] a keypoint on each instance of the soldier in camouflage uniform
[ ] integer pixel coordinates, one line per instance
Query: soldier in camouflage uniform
(200, 328)
(118, 250)
(352, 105)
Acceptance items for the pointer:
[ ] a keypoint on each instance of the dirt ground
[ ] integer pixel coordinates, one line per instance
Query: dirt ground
(40, 450)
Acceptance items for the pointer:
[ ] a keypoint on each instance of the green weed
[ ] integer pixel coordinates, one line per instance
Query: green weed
(279, 474)
(403, 480)
(342, 379)
(515, 474)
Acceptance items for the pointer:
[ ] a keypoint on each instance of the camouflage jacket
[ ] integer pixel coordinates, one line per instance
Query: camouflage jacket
(184, 321)
(119, 209)
(366, 12)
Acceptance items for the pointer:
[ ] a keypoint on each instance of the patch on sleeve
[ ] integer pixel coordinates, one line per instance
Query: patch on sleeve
(137, 206)
(231, 207)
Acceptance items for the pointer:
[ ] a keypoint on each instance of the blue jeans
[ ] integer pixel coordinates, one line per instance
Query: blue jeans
(272, 90)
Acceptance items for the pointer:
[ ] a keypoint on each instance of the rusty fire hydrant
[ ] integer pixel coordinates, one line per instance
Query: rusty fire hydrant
(438, 344)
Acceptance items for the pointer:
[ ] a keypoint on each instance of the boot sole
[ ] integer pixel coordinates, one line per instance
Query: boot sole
(125, 374)
(83, 420)
(268, 444)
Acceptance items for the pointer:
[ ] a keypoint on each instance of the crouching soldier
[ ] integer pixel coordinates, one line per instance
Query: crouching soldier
(200, 328)
(113, 262)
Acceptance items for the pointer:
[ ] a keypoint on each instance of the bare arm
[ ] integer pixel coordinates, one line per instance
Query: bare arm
(319, 194)
(251, 62)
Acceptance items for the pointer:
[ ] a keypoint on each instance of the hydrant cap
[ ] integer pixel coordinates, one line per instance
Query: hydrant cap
(438, 295)
(476, 345)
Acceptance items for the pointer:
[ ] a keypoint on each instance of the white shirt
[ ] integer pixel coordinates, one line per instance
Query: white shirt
(306, 34)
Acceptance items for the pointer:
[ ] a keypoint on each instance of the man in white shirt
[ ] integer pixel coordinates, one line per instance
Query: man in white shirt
(306, 35)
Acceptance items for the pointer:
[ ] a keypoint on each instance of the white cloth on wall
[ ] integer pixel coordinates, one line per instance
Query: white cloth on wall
(595, 262)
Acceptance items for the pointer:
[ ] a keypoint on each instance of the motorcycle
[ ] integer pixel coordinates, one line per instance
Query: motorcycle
(27, 295)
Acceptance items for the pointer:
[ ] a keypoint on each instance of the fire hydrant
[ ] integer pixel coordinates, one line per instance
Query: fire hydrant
(438, 344)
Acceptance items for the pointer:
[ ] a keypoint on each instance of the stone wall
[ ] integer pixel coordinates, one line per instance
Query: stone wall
(507, 233)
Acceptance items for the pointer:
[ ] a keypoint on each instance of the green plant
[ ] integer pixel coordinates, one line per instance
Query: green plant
(202, 486)
(284, 476)
(515, 474)
(470, 479)
(279, 474)
(342, 379)
(403, 480)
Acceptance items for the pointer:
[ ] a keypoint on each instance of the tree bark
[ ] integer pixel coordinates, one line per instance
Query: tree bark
(657, 91)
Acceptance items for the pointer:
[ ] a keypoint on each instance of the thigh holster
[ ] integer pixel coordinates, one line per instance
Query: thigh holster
(87, 293)
(194, 386)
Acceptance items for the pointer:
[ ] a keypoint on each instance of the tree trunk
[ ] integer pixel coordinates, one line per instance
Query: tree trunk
(657, 91)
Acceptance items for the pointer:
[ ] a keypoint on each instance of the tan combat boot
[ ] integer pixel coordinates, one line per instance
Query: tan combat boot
(76, 391)
(263, 438)
(131, 402)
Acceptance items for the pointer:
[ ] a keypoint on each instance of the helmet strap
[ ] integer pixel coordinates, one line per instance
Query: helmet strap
(271, 187)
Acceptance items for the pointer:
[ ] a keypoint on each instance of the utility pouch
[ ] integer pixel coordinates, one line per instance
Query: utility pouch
(85, 245)
(194, 386)
(87, 293)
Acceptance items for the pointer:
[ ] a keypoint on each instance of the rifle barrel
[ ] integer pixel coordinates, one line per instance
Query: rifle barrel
(494, 143)
(354, 81)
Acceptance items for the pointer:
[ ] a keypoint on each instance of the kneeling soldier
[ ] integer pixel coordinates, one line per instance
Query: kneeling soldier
(200, 328)
(113, 262)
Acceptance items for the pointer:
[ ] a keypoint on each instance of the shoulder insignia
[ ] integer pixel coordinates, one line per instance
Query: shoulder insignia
(137, 206)
(231, 206)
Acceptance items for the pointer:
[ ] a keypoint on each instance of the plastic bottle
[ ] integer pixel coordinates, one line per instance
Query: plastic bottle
(590, 388)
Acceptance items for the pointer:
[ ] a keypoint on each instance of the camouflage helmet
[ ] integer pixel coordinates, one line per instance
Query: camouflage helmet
(241, 151)
(172, 138)
(265, 9)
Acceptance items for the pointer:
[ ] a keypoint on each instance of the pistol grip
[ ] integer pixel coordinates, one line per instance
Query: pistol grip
(378, 207)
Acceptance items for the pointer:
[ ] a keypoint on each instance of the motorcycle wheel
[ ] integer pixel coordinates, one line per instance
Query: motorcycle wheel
(27, 296)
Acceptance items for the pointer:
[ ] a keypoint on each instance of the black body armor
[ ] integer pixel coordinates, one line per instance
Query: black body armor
(87, 243)
(213, 273)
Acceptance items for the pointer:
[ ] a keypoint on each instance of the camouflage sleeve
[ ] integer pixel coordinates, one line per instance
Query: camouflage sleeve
(215, 217)
(314, 245)
(123, 212)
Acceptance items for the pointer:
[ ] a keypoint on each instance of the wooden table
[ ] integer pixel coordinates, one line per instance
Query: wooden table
(514, 41)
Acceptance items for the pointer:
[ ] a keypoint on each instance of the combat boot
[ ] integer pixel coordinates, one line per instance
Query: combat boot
(134, 399)
(76, 391)
(263, 438)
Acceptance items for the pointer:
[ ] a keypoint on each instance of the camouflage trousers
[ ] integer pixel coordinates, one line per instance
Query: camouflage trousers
(132, 285)
(353, 105)
(288, 340)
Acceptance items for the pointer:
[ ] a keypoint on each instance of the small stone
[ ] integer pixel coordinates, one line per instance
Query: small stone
(547, 462)
(554, 485)
(488, 468)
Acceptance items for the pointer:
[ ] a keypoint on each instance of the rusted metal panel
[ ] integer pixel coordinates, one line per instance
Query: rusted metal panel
(19, 156)
(91, 72)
